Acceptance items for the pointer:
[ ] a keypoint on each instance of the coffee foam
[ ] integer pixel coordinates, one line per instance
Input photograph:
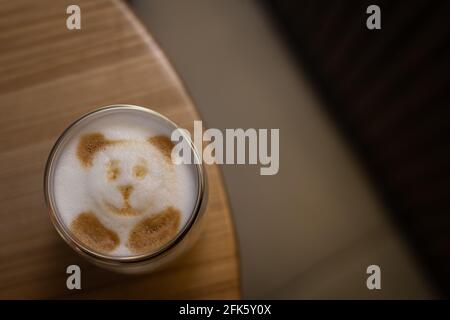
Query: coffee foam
(116, 168)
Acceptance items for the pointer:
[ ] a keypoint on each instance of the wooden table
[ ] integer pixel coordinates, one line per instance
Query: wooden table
(49, 76)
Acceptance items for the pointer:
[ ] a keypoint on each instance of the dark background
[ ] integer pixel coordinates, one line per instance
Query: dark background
(388, 90)
(364, 119)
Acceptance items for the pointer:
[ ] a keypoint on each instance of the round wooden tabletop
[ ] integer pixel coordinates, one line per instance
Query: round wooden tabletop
(49, 77)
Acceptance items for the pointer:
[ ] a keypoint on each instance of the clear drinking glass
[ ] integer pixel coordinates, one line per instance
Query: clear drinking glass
(137, 263)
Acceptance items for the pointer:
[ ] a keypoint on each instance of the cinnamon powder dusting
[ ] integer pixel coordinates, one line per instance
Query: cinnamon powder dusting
(164, 144)
(152, 233)
(89, 144)
(89, 230)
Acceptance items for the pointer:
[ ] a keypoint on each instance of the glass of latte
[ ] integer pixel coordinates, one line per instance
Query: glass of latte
(115, 195)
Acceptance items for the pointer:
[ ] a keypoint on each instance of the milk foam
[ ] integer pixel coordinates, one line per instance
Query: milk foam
(78, 188)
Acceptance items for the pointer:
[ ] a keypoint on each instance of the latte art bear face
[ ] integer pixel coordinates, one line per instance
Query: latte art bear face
(129, 183)
(122, 179)
(115, 190)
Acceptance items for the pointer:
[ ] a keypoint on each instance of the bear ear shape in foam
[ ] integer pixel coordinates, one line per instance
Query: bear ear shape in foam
(89, 144)
(164, 144)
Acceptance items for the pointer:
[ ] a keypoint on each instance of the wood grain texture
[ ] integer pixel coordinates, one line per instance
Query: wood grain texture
(49, 76)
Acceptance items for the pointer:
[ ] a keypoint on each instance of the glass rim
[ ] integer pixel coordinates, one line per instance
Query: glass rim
(64, 231)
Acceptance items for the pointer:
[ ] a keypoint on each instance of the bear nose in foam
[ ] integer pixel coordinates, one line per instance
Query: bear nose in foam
(126, 190)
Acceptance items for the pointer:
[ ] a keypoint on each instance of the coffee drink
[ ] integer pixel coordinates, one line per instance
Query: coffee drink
(113, 187)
